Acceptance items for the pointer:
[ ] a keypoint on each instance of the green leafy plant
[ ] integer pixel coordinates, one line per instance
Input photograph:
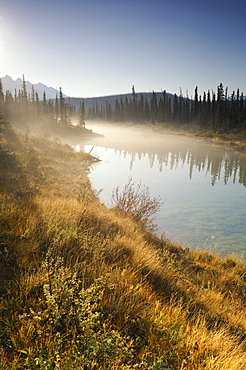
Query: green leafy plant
(75, 314)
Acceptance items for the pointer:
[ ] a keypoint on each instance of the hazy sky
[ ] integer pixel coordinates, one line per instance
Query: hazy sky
(103, 47)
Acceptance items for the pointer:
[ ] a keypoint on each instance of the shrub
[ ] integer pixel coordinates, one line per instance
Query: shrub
(135, 200)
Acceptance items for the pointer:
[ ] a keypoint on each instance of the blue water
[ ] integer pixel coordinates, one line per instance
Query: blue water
(202, 185)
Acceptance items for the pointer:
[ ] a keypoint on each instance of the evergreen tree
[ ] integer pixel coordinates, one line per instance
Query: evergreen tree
(33, 95)
(147, 110)
(134, 104)
(9, 110)
(126, 109)
(165, 115)
(82, 114)
(44, 104)
(241, 112)
(153, 108)
(161, 110)
(62, 108)
(141, 109)
(24, 99)
(33, 107)
(196, 105)
(232, 118)
(208, 109)
(213, 112)
(57, 109)
(108, 111)
(175, 108)
(24, 89)
(40, 116)
(169, 109)
(220, 115)
(51, 110)
(122, 110)
(180, 107)
(117, 113)
(237, 110)
(186, 109)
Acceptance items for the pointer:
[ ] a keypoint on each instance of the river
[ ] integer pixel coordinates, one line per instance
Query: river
(201, 184)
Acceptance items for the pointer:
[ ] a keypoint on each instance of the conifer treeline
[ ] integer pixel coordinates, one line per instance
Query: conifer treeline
(23, 108)
(218, 112)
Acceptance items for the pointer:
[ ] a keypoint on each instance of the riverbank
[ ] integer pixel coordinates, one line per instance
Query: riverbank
(236, 142)
(83, 286)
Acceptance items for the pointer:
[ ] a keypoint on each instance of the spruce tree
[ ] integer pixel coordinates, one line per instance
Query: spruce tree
(220, 115)
(196, 105)
(241, 112)
(134, 104)
(44, 104)
(24, 99)
(24, 89)
(117, 116)
(57, 109)
(180, 107)
(161, 110)
(186, 109)
(146, 110)
(62, 108)
(141, 108)
(122, 110)
(165, 106)
(175, 108)
(126, 109)
(82, 114)
(108, 111)
(153, 108)
(213, 112)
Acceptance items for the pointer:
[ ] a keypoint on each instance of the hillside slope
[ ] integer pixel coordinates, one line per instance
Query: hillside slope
(86, 287)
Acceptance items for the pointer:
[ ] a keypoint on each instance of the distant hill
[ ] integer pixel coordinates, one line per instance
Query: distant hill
(110, 99)
(11, 85)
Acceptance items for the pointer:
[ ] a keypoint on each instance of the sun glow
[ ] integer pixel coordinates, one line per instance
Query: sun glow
(1, 40)
(3, 36)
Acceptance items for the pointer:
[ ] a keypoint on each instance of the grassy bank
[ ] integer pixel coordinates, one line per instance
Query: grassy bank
(86, 287)
(236, 141)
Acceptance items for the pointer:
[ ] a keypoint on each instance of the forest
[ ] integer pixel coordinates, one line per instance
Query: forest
(216, 112)
(24, 109)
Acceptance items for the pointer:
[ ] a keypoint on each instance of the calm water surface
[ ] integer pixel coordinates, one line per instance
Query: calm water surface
(202, 185)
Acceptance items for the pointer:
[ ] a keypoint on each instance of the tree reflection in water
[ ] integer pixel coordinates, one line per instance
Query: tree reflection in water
(181, 170)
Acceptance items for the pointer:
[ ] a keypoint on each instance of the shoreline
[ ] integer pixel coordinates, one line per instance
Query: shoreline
(232, 141)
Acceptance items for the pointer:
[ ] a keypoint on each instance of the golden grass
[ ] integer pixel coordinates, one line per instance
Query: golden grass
(85, 287)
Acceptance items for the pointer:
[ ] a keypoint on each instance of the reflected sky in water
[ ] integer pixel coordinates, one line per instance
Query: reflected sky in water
(201, 184)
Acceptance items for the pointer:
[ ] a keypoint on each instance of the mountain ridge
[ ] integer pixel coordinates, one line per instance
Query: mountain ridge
(10, 85)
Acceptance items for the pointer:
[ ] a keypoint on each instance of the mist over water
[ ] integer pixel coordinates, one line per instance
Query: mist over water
(201, 184)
